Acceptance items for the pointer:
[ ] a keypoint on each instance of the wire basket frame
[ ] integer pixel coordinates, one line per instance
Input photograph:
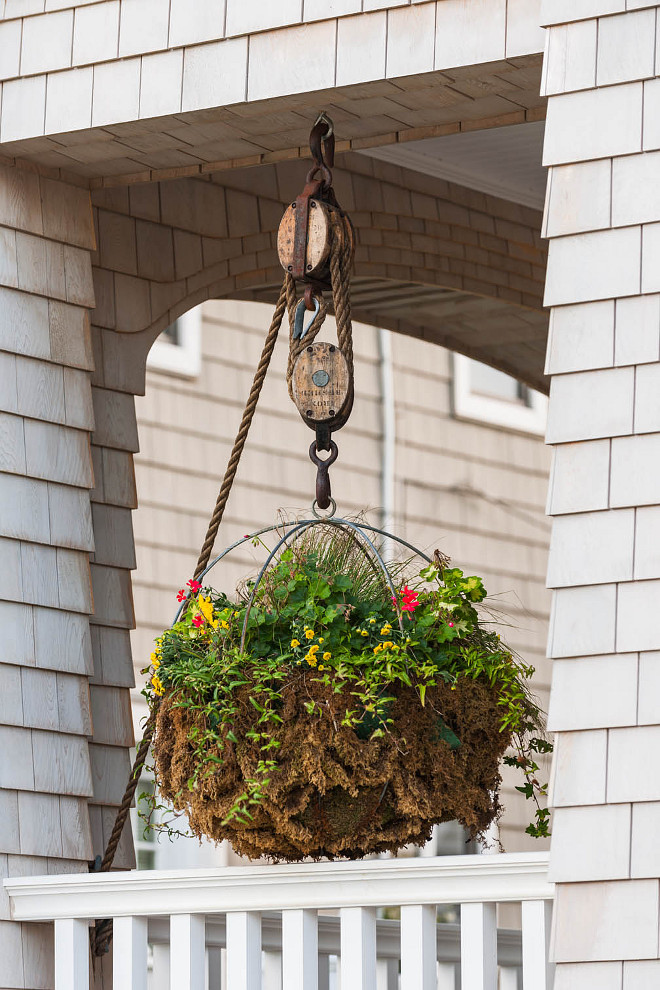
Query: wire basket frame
(294, 529)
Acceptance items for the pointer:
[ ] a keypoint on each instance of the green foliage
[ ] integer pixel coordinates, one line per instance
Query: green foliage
(325, 607)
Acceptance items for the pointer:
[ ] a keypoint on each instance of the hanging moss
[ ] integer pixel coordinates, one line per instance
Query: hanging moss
(333, 793)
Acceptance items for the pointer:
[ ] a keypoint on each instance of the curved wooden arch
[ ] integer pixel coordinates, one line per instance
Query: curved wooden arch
(434, 260)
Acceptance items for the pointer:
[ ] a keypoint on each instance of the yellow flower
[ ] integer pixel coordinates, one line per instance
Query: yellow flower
(321, 639)
(313, 650)
(372, 621)
(157, 685)
(387, 628)
(363, 632)
(294, 643)
(224, 624)
(378, 648)
(309, 633)
(205, 607)
(321, 667)
(327, 656)
(388, 645)
(312, 661)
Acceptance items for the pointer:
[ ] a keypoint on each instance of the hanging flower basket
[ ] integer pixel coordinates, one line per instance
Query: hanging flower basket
(334, 706)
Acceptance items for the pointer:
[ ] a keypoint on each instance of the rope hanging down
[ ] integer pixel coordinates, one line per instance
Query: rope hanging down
(339, 264)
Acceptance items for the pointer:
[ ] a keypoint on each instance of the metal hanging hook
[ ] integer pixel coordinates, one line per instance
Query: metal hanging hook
(323, 493)
(299, 330)
(322, 141)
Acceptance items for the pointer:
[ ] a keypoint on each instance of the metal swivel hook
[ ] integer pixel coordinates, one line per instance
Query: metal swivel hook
(323, 493)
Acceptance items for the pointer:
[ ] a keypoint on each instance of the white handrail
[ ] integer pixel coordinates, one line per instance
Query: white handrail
(497, 878)
(264, 922)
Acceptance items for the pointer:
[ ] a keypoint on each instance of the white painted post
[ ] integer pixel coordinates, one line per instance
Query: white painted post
(160, 973)
(446, 976)
(300, 949)
(358, 948)
(272, 970)
(187, 951)
(71, 954)
(538, 971)
(243, 950)
(418, 947)
(129, 953)
(479, 947)
(387, 974)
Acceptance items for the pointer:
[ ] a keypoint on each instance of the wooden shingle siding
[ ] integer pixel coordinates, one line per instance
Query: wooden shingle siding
(113, 663)
(48, 777)
(602, 214)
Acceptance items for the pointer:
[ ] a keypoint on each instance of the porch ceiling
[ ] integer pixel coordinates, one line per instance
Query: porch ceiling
(377, 113)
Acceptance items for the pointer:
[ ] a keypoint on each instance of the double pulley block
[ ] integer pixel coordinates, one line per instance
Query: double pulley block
(315, 246)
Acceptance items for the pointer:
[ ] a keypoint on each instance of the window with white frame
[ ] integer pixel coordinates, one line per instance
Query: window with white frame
(484, 395)
(178, 350)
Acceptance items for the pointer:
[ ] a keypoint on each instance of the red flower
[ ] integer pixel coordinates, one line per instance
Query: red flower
(194, 586)
(181, 595)
(410, 599)
(198, 621)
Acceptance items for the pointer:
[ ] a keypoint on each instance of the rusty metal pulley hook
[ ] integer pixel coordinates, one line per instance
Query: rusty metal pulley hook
(322, 139)
(323, 493)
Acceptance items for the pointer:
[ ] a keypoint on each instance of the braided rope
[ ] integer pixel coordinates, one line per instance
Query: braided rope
(102, 933)
(246, 422)
(341, 259)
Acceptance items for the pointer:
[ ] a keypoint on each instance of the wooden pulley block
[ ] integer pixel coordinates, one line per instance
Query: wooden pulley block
(321, 386)
(304, 237)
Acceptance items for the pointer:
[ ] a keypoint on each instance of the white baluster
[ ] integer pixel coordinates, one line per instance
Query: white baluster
(272, 970)
(324, 972)
(418, 947)
(300, 950)
(479, 947)
(187, 951)
(447, 976)
(387, 974)
(214, 955)
(71, 954)
(538, 971)
(160, 974)
(509, 978)
(129, 953)
(358, 948)
(243, 950)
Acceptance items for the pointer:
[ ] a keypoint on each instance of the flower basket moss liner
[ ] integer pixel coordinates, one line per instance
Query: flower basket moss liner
(335, 794)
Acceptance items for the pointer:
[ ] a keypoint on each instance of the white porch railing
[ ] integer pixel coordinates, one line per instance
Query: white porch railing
(279, 927)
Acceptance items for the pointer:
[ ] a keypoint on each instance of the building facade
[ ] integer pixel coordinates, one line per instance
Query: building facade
(147, 148)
